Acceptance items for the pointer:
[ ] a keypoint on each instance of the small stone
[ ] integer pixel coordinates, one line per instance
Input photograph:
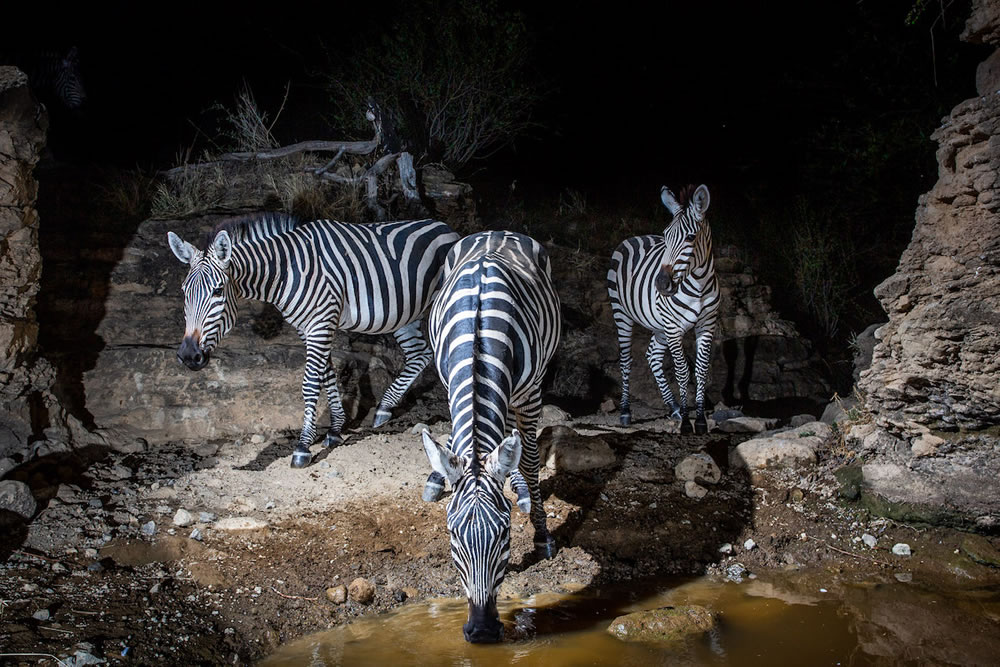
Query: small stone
(419, 428)
(240, 523)
(155, 588)
(399, 595)
(901, 549)
(334, 474)
(869, 540)
(552, 415)
(926, 445)
(361, 590)
(95, 503)
(41, 615)
(183, 518)
(736, 572)
(269, 505)
(695, 490)
(904, 577)
(746, 425)
(257, 439)
(749, 544)
(796, 495)
(148, 529)
(698, 467)
(607, 406)
(59, 568)
(195, 535)
(565, 450)
(206, 450)
(90, 552)
(324, 464)
(726, 548)
(411, 592)
(206, 517)
(95, 567)
(337, 594)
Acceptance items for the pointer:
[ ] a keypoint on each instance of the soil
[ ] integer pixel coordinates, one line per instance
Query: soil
(90, 573)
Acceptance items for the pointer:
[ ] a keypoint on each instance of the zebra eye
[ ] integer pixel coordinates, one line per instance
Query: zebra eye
(217, 291)
(689, 238)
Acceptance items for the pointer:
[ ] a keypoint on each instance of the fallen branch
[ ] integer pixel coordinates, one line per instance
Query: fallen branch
(848, 553)
(293, 597)
(45, 627)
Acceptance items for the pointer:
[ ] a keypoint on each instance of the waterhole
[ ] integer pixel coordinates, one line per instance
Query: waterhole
(781, 621)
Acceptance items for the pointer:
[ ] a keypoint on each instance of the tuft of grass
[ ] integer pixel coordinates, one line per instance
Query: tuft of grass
(126, 193)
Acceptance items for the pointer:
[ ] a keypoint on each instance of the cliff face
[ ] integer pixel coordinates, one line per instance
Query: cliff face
(933, 384)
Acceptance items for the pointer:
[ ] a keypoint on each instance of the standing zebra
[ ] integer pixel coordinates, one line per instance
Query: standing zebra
(667, 284)
(494, 327)
(55, 76)
(323, 276)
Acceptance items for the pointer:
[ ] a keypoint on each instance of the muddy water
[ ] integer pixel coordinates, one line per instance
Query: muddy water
(777, 622)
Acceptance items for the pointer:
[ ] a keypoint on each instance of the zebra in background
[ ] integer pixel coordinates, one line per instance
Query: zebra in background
(494, 327)
(667, 284)
(54, 76)
(322, 275)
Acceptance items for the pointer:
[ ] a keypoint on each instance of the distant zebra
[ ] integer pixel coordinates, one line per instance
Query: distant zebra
(494, 327)
(54, 76)
(323, 276)
(667, 284)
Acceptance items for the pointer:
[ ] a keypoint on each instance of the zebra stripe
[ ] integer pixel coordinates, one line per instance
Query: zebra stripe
(667, 284)
(322, 275)
(494, 328)
(55, 76)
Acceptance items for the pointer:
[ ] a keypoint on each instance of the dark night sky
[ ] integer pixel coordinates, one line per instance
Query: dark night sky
(676, 91)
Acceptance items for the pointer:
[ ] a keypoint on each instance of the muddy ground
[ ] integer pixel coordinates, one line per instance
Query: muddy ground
(91, 574)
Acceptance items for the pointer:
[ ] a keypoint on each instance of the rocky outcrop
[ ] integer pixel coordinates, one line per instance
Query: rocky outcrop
(934, 371)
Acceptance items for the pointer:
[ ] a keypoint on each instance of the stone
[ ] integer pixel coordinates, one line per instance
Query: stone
(981, 550)
(411, 592)
(565, 450)
(552, 414)
(694, 490)
(6, 465)
(799, 420)
(698, 467)
(724, 414)
(862, 348)
(666, 624)
(836, 410)
(196, 535)
(361, 590)
(608, 406)
(745, 425)
(726, 548)
(257, 439)
(148, 529)
(926, 445)
(736, 572)
(811, 429)
(869, 540)
(207, 449)
(749, 544)
(41, 615)
(901, 549)
(417, 429)
(234, 523)
(206, 517)
(16, 497)
(183, 518)
(337, 594)
(762, 453)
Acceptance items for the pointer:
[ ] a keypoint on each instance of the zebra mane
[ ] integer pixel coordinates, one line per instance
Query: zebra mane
(685, 194)
(253, 228)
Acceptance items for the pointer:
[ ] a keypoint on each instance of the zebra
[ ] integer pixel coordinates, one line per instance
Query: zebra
(322, 275)
(667, 284)
(55, 76)
(494, 327)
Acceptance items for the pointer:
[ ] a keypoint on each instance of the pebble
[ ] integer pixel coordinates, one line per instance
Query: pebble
(240, 523)
(796, 495)
(95, 503)
(901, 549)
(869, 540)
(183, 518)
(206, 517)
(95, 567)
(361, 590)
(399, 595)
(698, 467)
(257, 439)
(749, 544)
(269, 505)
(726, 548)
(694, 490)
(41, 615)
(337, 594)
(90, 552)
(148, 528)
(59, 568)
(904, 577)
(736, 572)
(195, 535)
(419, 427)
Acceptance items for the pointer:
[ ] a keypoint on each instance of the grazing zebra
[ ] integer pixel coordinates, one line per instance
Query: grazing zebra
(323, 276)
(494, 327)
(55, 76)
(667, 284)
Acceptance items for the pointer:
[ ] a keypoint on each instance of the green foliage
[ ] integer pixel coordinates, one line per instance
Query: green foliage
(451, 75)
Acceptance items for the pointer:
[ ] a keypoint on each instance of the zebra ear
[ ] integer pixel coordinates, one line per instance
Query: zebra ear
(700, 199)
(670, 201)
(443, 460)
(184, 251)
(505, 457)
(222, 246)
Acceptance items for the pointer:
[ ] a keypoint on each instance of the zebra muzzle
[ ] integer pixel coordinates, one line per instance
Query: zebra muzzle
(191, 355)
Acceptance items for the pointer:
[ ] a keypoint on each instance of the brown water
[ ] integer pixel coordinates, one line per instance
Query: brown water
(777, 622)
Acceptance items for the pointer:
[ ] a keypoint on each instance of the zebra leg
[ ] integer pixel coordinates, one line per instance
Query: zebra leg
(337, 415)
(418, 354)
(703, 355)
(517, 483)
(654, 355)
(317, 361)
(527, 423)
(683, 374)
(624, 326)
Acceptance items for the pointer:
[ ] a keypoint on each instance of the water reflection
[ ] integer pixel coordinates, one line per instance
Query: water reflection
(776, 622)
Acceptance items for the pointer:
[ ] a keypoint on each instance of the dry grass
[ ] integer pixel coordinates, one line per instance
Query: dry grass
(856, 415)
(125, 193)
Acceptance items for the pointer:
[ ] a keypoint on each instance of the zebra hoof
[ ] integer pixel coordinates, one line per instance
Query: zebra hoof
(524, 504)
(432, 492)
(381, 417)
(301, 459)
(545, 549)
(626, 418)
(686, 426)
(700, 427)
(332, 440)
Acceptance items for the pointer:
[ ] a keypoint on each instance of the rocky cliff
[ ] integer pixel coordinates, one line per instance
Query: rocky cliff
(933, 386)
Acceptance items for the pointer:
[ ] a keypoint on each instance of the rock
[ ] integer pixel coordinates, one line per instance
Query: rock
(41, 615)
(746, 425)
(926, 445)
(901, 549)
(774, 452)
(749, 544)
(183, 518)
(725, 414)
(96, 504)
(799, 420)
(206, 517)
(337, 594)
(417, 429)
(564, 450)
(981, 550)
(862, 347)
(869, 540)
(694, 490)
(726, 548)
(608, 406)
(134, 446)
(196, 535)
(411, 592)
(811, 429)
(148, 529)
(361, 590)
(207, 449)
(552, 415)
(399, 595)
(239, 523)
(16, 497)
(666, 624)
(257, 439)
(698, 467)
(836, 410)
(6, 465)
(736, 572)
(796, 495)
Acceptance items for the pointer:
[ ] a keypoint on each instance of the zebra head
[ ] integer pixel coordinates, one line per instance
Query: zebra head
(68, 84)
(209, 297)
(684, 236)
(479, 528)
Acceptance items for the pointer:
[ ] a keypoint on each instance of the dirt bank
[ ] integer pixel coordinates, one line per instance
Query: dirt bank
(91, 568)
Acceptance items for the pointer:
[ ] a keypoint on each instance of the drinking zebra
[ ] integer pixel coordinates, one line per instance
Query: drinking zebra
(494, 327)
(667, 284)
(323, 276)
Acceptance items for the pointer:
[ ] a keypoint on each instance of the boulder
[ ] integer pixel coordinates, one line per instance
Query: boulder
(746, 425)
(667, 624)
(774, 452)
(16, 497)
(698, 467)
(565, 450)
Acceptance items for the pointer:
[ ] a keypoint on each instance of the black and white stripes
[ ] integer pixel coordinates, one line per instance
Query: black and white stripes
(667, 284)
(494, 327)
(54, 76)
(323, 276)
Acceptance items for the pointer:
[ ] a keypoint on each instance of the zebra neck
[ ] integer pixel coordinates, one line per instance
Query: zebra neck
(256, 273)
